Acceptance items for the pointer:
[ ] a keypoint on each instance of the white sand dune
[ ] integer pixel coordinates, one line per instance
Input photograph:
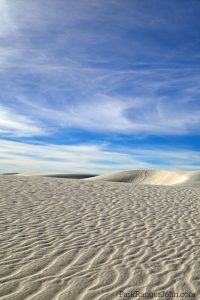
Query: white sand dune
(152, 177)
(65, 239)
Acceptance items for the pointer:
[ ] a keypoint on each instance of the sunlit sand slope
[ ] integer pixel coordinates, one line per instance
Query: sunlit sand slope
(153, 177)
(76, 239)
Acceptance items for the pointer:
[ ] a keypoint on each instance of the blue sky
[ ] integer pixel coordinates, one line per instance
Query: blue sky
(99, 86)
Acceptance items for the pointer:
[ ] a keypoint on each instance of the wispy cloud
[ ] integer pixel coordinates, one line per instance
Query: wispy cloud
(145, 112)
(12, 124)
(27, 157)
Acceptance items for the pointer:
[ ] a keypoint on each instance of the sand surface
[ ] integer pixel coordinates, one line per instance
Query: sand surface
(91, 239)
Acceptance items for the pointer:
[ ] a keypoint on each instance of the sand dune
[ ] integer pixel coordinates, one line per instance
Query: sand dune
(89, 239)
(149, 177)
(68, 176)
(152, 177)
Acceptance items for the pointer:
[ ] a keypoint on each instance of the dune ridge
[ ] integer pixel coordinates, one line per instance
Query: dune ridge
(54, 175)
(150, 177)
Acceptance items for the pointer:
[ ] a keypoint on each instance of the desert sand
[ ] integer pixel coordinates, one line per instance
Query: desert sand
(111, 236)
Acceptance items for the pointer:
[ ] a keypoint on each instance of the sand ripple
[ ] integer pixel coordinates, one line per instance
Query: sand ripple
(72, 239)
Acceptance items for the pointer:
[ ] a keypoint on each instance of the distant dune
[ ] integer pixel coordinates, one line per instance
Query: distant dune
(152, 177)
(149, 177)
(67, 176)
(10, 173)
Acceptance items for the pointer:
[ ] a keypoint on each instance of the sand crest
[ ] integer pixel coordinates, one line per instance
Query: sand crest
(152, 177)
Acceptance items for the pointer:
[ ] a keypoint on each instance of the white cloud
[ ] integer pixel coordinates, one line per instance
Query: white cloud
(137, 115)
(12, 124)
(26, 157)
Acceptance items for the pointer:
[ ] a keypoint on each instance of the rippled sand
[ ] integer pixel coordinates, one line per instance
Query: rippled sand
(84, 239)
